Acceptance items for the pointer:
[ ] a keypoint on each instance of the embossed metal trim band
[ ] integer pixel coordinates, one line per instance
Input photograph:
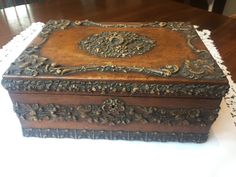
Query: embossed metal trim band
(115, 135)
(115, 111)
(118, 88)
(115, 25)
(202, 68)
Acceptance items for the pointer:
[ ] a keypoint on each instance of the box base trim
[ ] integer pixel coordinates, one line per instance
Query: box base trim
(115, 135)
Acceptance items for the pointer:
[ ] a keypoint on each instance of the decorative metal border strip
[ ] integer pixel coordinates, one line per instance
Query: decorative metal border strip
(115, 135)
(114, 111)
(118, 88)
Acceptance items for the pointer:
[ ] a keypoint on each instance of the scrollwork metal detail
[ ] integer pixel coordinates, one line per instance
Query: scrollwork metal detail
(53, 25)
(120, 25)
(197, 68)
(31, 64)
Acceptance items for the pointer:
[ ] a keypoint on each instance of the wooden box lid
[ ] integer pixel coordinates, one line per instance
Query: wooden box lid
(143, 59)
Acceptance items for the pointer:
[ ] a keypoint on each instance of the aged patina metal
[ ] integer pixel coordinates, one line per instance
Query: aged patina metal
(114, 111)
(115, 87)
(30, 63)
(195, 69)
(53, 25)
(118, 25)
(116, 44)
(115, 135)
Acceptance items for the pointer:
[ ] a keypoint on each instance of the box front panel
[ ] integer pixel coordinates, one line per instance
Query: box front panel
(148, 118)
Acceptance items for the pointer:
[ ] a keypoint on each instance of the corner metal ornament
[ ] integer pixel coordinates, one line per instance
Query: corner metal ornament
(116, 44)
(195, 69)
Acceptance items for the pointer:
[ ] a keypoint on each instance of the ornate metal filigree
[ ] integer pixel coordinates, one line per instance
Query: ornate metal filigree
(37, 112)
(203, 67)
(116, 44)
(30, 63)
(115, 111)
(53, 25)
(115, 135)
(113, 107)
(197, 68)
(117, 88)
(120, 25)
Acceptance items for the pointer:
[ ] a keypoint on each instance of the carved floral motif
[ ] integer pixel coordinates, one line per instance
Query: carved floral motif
(114, 111)
(117, 88)
(116, 44)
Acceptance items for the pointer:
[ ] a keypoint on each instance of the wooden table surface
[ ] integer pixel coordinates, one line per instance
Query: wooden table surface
(15, 19)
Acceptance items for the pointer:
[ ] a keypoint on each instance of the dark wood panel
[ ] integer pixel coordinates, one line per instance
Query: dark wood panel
(142, 101)
(129, 127)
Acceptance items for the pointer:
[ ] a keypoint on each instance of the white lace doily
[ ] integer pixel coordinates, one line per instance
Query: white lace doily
(230, 98)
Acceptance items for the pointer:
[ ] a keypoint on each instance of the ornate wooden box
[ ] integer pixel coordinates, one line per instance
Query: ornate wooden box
(151, 82)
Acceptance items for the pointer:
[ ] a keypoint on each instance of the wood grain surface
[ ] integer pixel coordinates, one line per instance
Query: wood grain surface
(63, 48)
(171, 48)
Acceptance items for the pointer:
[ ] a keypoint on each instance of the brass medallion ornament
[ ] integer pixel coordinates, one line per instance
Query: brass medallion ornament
(113, 106)
(116, 44)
